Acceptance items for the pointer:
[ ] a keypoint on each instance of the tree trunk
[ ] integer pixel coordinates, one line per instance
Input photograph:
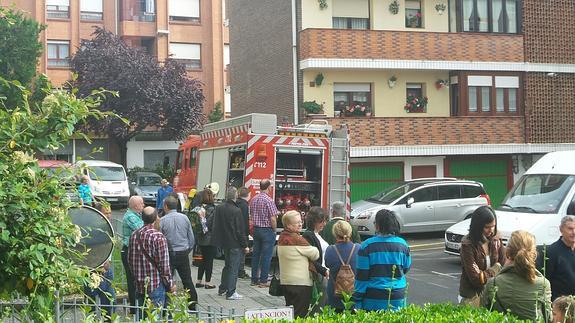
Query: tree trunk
(123, 147)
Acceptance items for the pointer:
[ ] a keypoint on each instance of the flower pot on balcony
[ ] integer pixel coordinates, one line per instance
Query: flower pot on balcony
(368, 114)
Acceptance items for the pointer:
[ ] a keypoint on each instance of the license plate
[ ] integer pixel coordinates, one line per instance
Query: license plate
(112, 199)
(453, 245)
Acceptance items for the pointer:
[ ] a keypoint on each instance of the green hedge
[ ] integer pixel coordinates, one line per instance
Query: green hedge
(437, 313)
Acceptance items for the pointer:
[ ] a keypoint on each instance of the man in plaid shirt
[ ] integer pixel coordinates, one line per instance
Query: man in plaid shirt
(263, 214)
(150, 261)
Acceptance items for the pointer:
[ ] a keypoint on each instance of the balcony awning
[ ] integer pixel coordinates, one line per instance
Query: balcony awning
(445, 150)
(389, 64)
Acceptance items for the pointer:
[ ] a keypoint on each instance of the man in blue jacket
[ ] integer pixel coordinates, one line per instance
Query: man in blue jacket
(163, 191)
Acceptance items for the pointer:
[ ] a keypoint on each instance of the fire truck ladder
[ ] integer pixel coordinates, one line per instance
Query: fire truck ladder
(339, 160)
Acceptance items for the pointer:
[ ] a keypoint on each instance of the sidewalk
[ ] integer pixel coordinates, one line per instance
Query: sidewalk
(254, 297)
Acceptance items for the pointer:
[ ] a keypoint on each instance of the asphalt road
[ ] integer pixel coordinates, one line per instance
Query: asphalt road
(433, 278)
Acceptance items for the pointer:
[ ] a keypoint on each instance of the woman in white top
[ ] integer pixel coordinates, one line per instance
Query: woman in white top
(315, 220)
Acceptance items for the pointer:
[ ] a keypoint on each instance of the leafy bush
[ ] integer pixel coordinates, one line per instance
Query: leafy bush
(311, 107)
(437, 313)
(37, 237)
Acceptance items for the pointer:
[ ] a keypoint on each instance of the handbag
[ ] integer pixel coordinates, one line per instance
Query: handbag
(275, 288)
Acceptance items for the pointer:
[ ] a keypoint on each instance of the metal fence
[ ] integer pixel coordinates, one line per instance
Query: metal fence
(78, 310)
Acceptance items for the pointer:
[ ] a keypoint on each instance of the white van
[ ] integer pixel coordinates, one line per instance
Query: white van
(107, 180)
(536, 203)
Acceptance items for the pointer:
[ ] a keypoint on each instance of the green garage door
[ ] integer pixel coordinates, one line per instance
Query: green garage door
(492, 173)
(369, 179)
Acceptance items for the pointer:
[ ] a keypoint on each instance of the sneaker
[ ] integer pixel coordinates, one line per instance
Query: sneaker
(254, 283)
(235, 296)
(222, 293)
(244, 275)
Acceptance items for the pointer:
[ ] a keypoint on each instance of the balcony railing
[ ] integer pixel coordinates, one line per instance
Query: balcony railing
(58, 12)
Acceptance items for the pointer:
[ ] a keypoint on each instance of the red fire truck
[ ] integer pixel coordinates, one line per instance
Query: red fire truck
(308, 163)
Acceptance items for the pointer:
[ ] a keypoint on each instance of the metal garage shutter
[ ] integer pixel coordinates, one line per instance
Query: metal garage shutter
(492, 173)
(369, 179)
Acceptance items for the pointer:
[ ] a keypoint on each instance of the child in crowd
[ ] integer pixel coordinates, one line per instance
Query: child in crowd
(85, 192)
(563, 309)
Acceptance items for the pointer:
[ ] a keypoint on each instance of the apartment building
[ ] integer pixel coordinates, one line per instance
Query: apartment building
(193, 31)
(475, 89)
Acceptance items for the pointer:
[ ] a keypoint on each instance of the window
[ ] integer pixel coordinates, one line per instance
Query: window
(58, 8)
(414, 89)
(350, 14)
(58, 53)
(188, 54)
(184, 10)
(485, 94)
(413, 15)
(496, 16)
(470, 191)
(91, 10)
(424, 195)
(352, 99)
(193, 157)
(226, 55)
(449, 192)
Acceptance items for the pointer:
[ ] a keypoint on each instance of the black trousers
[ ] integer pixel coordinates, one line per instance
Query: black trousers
(299, 297)
(180, 261)
(129, 280)
(207, 264)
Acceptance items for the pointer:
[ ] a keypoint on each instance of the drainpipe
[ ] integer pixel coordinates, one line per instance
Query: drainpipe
(294, 61)
(117, 10)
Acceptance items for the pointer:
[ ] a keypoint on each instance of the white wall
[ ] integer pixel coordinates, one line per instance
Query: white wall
(135, 154)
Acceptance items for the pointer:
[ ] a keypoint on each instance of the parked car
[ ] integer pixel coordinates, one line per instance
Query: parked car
(422, 205)
(107, 180)
(536, 203)
(146, 185)
(64, 171)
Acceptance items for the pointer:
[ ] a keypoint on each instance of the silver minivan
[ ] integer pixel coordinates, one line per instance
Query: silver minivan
(422, 205)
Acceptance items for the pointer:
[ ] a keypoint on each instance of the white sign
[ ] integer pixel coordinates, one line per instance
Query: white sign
(280, 313)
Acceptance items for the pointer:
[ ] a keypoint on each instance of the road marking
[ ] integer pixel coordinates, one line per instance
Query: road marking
(446, 275)
(438, 285)
(427, 244)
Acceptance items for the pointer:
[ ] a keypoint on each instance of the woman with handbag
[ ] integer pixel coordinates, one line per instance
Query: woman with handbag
(482, 255)
(315, 220)
(204, 239)
(519, 288)
(343, 252)
(295, 257)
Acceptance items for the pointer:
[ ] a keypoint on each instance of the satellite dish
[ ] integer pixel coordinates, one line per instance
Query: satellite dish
(97, 235)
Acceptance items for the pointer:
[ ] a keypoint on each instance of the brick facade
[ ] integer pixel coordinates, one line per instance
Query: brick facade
(261, 57)
(549, 108)
(433, 131)
(382, 44)
(548, 27)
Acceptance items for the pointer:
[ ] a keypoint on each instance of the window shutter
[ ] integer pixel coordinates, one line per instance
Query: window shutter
(184, 8)
(185, 51)
(91, 5)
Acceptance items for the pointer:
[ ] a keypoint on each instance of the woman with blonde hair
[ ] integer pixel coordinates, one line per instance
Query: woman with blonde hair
(342, 252)
(519, 287)
(296, 256)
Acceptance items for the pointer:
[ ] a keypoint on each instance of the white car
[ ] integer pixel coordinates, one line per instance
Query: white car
(536, 203)
(423, 205)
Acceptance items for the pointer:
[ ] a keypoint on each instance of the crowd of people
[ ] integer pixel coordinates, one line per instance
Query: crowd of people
(320, 265)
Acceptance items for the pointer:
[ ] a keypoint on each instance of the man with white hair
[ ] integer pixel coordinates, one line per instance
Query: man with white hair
(229, 234)
(560, 263)
(131, 222)
(337, 214)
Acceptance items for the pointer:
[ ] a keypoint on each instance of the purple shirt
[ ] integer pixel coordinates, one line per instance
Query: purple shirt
(262, 209)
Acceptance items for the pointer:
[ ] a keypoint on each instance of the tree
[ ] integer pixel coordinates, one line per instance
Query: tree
(19, 50)
(150, 95)
(217, 114)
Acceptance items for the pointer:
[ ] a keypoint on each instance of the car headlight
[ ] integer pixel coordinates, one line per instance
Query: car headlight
(366, 215)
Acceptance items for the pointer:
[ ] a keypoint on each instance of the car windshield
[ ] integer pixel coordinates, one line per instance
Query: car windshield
(394, 192)
(538, 193)
(149, 180)
(107, 173)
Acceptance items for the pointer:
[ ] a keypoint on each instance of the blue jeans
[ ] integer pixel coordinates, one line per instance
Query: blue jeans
(157, 296)
(230, 272)
(105, 292)
(264, 241)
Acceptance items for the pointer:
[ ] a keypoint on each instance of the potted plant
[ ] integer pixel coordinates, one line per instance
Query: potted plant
(322, 4)
(414, 21)
(318, 79)
(416, 104)
(357, 110)
(439, 84)
(312, 107)
(368, 112)
(440, 8)
(394, 7)
(391, 82)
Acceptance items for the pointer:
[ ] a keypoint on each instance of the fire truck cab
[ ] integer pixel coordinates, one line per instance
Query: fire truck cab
(307, 164)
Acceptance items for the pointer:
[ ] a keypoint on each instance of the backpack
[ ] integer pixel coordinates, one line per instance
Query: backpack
(194, 217)
(345, 278)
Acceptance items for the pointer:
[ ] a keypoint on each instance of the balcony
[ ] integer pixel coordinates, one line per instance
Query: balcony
(406, 45)
(433, 131)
